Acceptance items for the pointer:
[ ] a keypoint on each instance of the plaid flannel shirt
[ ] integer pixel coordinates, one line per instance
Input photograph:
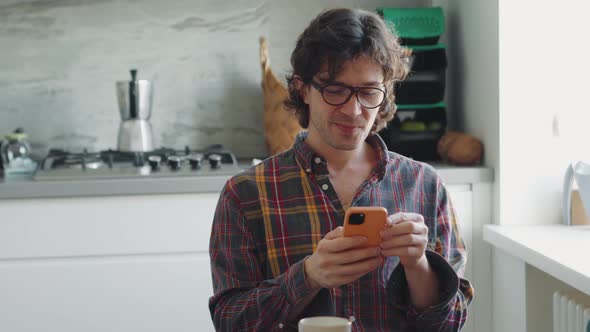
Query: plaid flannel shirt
(270, 217)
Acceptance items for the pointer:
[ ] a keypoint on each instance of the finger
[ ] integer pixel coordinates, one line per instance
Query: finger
(338, 275)
(404, 241)
(404, 216)
(344, 243)
(362, 267)
(355, 255)
(335, 233)
(405, 227)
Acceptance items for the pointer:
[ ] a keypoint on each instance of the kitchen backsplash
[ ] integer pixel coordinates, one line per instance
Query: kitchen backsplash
(60, 59)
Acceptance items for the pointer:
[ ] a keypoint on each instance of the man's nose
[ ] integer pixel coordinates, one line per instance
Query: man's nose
(352, 107)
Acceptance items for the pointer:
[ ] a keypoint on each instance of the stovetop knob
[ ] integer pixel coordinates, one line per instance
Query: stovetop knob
(195, 160)
(174, 162)
(214, 160)
(154, 162)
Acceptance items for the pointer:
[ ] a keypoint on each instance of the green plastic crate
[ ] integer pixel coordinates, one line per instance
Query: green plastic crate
(421, 106)
(427, 47)
(416, 26)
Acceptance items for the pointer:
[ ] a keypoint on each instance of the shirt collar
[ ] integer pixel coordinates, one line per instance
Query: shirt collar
(307, 157)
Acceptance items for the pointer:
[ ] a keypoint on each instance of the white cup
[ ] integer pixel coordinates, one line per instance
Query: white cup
(325, 324)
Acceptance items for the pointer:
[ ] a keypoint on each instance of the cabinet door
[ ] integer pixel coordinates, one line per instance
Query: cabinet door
(462, 199)
(127, 263)
(115, 225)
(127, 293)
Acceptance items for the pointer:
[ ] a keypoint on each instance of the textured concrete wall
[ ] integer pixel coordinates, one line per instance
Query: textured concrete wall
(59, 60)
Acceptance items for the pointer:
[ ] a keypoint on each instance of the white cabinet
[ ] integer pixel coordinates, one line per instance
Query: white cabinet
(472, 204)
(106, 264)
(151, 293)
(461, 197)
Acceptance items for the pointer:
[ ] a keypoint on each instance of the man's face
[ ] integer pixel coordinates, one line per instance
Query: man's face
(344, 127)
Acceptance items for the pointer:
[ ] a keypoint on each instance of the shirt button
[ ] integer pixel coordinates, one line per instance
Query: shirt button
(325, 186)
(352, 319)
(281, 325)
(317, 160)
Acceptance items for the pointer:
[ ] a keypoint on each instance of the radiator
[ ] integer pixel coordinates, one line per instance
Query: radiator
(570, 313)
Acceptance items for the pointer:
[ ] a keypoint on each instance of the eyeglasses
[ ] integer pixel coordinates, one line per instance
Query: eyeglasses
(339, 94)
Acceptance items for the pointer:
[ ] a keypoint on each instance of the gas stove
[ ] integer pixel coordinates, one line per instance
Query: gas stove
(113, 164)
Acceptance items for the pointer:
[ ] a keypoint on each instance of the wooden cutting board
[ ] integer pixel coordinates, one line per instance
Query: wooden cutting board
(280, 126)
(579, 215)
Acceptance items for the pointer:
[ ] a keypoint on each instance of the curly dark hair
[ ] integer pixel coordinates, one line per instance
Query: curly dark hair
(339, 35)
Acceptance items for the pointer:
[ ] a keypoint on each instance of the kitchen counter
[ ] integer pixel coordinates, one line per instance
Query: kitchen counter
(14, 189)
(558, 250)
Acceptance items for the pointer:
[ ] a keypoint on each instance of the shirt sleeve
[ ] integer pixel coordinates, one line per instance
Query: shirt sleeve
(242, 299)
(447, 256)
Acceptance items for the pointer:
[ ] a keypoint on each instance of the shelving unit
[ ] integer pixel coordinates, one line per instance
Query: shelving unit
(421, 118)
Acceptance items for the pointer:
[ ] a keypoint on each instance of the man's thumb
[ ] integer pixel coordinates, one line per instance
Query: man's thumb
(335, 233)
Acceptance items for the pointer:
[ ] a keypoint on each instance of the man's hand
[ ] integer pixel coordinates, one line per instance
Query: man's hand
(340, 260)
(406, 237)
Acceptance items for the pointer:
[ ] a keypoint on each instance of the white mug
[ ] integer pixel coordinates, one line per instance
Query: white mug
(325, 324)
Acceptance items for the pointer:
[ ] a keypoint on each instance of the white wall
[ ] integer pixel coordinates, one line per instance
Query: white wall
(544, 74)
(509, 293)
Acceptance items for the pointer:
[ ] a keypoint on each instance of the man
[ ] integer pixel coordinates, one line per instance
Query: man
(277, 250)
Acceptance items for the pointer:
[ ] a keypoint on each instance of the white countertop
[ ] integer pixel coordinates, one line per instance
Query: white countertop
(559, 250)
(182, 184)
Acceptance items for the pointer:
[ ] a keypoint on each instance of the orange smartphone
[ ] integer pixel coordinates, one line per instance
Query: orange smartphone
(366, 221)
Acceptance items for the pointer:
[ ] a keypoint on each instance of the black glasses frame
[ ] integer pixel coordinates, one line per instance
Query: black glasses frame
(353, 91)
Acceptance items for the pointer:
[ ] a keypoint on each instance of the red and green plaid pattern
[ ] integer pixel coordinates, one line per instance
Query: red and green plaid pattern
(270, 217)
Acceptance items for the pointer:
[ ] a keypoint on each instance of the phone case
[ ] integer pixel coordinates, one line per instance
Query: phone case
(375, 219)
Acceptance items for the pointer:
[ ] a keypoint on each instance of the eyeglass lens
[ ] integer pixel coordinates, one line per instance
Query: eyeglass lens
(367, 97)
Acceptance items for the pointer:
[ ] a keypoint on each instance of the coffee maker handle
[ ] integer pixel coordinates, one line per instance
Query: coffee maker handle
(133, 94)
(567, 194)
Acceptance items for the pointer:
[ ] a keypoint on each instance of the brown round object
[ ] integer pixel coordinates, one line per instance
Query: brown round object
(444, 143)
(460, 148)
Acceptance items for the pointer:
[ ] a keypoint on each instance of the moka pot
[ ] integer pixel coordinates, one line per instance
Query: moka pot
(135, 106)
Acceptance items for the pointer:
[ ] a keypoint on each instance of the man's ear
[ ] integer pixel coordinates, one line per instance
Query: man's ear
(302, 88)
